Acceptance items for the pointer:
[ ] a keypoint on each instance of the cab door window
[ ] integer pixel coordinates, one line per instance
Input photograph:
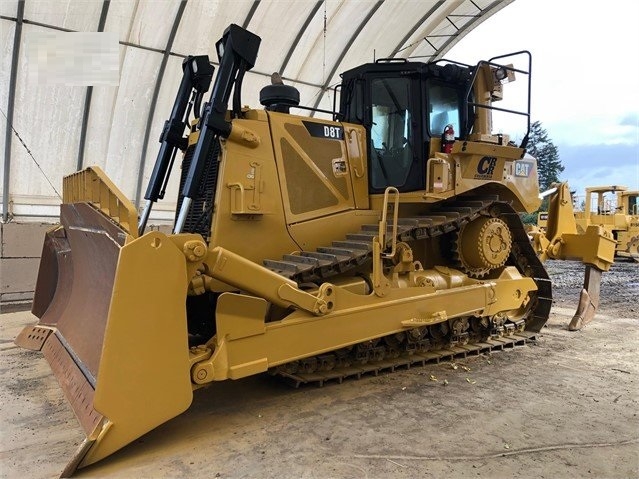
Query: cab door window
(392, 135)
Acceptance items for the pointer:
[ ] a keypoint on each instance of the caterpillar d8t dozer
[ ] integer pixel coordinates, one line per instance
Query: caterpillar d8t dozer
(308, 248)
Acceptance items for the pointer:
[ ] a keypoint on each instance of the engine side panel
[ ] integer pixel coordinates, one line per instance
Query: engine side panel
(249, 216)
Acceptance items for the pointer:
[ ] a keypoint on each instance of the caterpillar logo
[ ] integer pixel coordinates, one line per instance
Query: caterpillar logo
(523, 168)
(486, 168)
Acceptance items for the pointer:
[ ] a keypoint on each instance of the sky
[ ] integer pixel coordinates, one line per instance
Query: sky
(585, 80)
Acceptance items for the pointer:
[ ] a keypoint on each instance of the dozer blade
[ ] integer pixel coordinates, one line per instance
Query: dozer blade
(113, 328)
(589, 299)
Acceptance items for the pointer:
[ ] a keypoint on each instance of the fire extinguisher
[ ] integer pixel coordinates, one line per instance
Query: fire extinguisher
(448, 138)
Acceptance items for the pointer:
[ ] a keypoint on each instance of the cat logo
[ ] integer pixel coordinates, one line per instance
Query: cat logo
(523, 168)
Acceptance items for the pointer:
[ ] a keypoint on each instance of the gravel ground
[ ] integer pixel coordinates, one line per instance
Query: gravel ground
(565, 407)
(619, 286)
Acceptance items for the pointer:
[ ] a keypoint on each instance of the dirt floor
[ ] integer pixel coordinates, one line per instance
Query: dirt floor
(565, 407)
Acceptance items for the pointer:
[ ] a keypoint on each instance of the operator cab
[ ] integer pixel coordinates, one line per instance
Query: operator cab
(633, 204)
(404, 105)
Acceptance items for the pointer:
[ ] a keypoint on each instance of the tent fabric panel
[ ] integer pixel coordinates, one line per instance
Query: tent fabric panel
(385, 30)
(312, 40)
(145, 28)
(327, 49)
(278, 32)
(120, 18)
(130, 116)
(379, 37)
(204, 22)
(99, 128)
(170, 83)
(79, 16)
(39, 107)
(437, 35)
(8, 9)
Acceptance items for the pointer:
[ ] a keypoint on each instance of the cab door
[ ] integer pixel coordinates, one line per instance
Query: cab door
(396, 157)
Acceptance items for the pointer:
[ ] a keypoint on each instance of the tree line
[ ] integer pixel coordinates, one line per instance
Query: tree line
(549, 165)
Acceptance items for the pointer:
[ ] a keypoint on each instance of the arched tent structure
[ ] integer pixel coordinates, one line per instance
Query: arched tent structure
(52, 129)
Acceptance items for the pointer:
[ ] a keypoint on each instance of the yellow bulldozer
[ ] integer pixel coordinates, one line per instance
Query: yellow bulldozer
(620, 217)
(309, 248)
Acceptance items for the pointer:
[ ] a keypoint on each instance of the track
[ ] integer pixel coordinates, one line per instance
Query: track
(488, 346)
(429, 344)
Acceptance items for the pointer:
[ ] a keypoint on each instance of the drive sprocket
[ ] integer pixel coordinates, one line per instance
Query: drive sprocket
(482, 245)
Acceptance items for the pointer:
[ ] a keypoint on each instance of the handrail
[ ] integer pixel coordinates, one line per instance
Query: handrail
(471, 84)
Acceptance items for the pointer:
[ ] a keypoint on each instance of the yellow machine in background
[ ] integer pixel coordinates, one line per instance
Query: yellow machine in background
(620, 218)
(313, 249)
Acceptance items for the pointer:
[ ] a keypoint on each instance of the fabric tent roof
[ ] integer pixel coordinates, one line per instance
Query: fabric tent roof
(51, 130)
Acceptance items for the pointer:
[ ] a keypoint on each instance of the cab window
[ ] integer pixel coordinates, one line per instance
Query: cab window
(443, 105)
(391, 132)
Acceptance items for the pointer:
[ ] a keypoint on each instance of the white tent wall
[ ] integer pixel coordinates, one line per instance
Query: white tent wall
(99, 125)
(170, 82)
(204, 22)
(151, 23)
(308, 42)
(47, 118)
(280, 33)
(130, 114)
(79, 16)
